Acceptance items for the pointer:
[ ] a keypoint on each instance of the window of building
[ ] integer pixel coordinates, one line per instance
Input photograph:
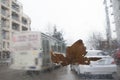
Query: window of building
(16, 7)
(4, 55)
(8, 45)
(59, 48)
(5, 34)
(15, 26)
(4, 11)
(15, 16)
(6, 2)
(3, 44)
(4, 22)
(24, 28)
(24, 21)
(7, 55)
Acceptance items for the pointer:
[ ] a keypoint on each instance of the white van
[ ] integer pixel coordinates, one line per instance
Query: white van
(31, 51)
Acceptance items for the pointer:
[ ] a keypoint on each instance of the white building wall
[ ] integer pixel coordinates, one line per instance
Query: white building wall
(116, 12)
(12, 19)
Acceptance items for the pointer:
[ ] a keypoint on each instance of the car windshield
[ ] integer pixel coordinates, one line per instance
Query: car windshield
(59, 39)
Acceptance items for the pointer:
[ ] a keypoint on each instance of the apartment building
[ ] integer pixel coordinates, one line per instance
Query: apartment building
(12, 19)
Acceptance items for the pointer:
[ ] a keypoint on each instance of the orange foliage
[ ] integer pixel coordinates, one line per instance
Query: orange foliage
(74, 54)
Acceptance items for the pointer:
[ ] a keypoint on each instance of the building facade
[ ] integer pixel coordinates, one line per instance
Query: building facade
(112, 10)
(110, 21)
(116, 13)
(12, 19)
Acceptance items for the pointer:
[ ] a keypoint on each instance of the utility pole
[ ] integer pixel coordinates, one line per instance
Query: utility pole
(108, 28)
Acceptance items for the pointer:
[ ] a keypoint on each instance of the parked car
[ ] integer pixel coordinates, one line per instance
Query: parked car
(104, 66)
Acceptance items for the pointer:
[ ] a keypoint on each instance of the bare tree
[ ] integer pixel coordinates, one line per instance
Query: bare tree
(95, 41)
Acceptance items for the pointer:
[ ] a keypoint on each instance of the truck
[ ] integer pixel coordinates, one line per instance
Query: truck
(30, 51)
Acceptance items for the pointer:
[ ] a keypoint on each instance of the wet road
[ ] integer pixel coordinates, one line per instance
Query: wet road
(62, 73)
(58, 74)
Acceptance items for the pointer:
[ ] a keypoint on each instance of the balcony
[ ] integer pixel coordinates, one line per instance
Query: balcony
(4, 23)
(15, 7)
(24, 21)
(16, 26)
(5, 2)
(4, 11)
(5, 26)
(15, 16)
(5, 34)
(24, 28)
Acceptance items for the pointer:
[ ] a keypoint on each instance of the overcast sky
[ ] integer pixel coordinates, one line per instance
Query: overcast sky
(75, 18)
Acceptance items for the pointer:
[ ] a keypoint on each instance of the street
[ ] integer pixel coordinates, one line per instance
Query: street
(62, 73)
(58, 74)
